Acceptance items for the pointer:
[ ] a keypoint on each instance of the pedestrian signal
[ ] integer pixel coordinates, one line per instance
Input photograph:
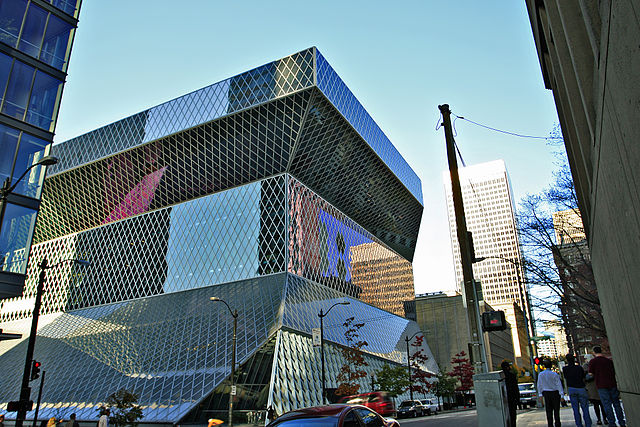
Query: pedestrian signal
(493, 321)
(537, 360)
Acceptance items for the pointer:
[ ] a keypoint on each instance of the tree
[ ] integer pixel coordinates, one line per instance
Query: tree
(352, 370)
(463, 371)
(392, 379)
(445, 385)
(420, 379)
(557, 259)
(123, 408)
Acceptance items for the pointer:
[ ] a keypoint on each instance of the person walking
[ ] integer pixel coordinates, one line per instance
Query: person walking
(513, 392)
(104, 419)
(550, 388)
(574, 376)
(605, 377)
(72, 421)
(594, 397)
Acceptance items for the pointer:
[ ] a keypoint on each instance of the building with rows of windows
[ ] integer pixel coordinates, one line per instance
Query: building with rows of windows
(274, 191)
(35, 44)
(490, 217)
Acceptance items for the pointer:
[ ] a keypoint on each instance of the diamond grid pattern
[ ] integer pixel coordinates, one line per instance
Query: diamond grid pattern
(215, 156)
(297, 380)
(171, 350)
(343, 99)
(248, 89)
(335, 162)
(329, 248)
(233, 235)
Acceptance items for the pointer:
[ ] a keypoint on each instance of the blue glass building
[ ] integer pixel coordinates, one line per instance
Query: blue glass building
(273, 190)
(35, 44)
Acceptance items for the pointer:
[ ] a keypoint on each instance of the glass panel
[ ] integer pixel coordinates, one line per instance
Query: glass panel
(8, 145)
(43, 100)
(56, 40)
(68, 6)
(11, 14)
(31, 38)
(17, 228)
(5, 70)
(30, 151)
(15, 101)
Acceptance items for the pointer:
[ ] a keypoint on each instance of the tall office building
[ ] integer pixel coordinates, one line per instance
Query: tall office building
(490, 217)
(35, 44)
(271, 190)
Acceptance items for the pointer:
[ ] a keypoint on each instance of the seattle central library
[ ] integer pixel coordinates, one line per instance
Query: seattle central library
(273, 190)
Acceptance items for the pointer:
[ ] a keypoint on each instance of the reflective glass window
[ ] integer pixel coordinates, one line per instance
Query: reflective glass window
(56, 40)
(8, 145)
(17, 95)
(370, 418)
(32, 31)
(68, 6)
(11, 14)
(30, 151)
(43, 100)
(15, 236)
(5, 70)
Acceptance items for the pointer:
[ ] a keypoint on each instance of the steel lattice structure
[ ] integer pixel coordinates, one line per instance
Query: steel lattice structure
(273, 190)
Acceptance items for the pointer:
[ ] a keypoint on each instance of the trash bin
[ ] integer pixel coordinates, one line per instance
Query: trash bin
(491, 399)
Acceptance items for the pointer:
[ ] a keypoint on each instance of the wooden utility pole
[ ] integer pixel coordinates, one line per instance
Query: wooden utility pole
(466, 258)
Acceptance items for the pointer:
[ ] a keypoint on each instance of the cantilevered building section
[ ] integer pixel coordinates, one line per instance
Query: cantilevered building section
(265, 190)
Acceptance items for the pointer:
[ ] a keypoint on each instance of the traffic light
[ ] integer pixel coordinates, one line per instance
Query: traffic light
(494, 321)
(35, 370)
(537, 360)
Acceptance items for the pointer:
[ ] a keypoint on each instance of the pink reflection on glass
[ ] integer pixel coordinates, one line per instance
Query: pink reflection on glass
(138, 199)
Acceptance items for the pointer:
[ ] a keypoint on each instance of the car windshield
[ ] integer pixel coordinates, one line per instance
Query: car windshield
(406, 404)
(526, 387)
(308, 421)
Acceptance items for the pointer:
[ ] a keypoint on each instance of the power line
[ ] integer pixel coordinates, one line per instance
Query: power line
(504, 131)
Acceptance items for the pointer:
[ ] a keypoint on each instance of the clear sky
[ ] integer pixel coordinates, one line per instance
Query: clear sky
(400, 59)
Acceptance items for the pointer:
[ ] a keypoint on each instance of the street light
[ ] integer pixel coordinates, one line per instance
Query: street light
(7, 188)
(407, 339)
(25, 390)
(322, 315)
(234, 314)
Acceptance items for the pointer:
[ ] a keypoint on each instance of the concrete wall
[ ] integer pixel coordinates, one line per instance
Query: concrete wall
(589, 53)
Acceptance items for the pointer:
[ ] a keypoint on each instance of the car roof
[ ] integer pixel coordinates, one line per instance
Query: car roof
(335, 410)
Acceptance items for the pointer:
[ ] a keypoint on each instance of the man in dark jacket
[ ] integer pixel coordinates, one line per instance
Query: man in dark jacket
(605, 376)
(574, 377)
(513, 392)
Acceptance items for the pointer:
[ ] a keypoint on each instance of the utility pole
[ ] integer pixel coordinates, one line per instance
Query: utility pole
(469, 285)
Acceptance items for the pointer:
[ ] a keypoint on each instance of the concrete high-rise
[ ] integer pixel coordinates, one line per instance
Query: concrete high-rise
(490, 217)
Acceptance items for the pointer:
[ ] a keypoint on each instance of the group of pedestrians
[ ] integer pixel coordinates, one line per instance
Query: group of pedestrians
(599, 376)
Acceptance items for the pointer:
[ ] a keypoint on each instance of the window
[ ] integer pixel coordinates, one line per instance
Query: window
(43, 100)
(11, 13)
(17, 95)
(32, 31)
(56, 40)
(369, 418)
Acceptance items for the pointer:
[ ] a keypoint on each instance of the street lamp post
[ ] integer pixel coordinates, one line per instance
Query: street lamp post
(7, 188)
(25, 390)
(407, 339)
(234, 314)
(322, 315)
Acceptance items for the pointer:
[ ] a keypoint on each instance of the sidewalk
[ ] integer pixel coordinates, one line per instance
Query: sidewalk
(538, 417)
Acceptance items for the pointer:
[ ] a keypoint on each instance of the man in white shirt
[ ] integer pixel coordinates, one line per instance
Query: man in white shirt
(104, 419)
(550, 387)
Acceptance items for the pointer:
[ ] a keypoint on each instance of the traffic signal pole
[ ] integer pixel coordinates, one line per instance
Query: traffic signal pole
(470, 292)
(25, 390)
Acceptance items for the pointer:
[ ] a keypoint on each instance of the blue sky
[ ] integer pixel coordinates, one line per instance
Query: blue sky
(400, 59)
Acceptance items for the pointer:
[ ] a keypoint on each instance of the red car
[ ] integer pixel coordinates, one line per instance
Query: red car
(339, 415)
(379, 401)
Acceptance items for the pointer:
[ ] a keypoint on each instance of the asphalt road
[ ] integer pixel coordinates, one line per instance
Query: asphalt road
(467, 418)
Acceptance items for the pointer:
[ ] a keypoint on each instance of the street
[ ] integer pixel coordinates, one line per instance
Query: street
(468, 418)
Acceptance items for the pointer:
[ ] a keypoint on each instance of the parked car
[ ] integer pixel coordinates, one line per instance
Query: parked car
(379, 401)
(528, 395)
(410, 408)
(338, 415)
(430, 406)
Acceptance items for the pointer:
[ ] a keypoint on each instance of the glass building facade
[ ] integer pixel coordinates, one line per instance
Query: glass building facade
(273, 190)
(35, 44)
